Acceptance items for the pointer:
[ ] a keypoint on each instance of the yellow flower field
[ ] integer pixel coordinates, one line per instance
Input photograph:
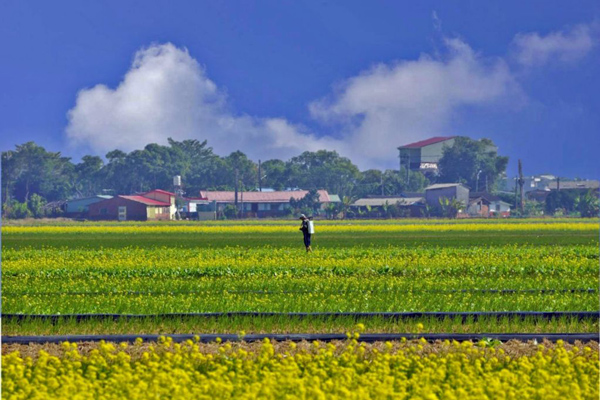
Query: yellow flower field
(325, 228)
(304, 371)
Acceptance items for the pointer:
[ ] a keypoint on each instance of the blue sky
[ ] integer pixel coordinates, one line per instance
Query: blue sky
(274, 78)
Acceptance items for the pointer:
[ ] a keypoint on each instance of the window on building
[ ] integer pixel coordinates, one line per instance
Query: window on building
(103, 211)
(264, 206)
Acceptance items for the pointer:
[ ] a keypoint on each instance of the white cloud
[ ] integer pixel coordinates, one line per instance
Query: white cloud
(390, 105)
(166, 93)
(565, 46)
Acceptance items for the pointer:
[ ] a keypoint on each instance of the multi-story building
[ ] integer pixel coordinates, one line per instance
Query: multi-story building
(424, 155)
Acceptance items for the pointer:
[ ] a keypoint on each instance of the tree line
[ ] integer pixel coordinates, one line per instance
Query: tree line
(33, 176)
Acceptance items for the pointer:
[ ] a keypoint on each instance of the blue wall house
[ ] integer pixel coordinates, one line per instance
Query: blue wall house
(80, 207)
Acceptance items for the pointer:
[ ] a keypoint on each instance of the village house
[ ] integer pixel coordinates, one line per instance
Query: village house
(450, 191)
(483, 204)
(412, 206)
(79, 207)
(130, 208)
(260, 204)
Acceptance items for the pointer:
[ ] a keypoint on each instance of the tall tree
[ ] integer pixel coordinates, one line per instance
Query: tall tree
(200, 166)
(276, 174)
(324, 169)
(88, 176)
(247, 171)
(31, 169)
(472, 162)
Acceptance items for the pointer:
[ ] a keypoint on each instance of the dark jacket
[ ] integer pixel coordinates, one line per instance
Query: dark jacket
(304, 227)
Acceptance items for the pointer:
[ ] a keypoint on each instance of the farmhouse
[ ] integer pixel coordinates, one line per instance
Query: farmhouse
(260, 204)
(130, 208)
(450, 191)
(483, 204)
(163, 196)
(412, 206)
(79, 207)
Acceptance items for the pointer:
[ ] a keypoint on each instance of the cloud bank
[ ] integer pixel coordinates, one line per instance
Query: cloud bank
(390, 105)
(566, 46)
(167, 93)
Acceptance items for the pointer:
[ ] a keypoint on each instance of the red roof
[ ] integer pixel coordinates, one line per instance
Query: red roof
(427, 142)
(261, 197)
(147, 201)
(160, 191)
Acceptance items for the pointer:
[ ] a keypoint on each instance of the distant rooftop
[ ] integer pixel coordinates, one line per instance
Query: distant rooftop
(380, 201)
(261, 197)
(426, 142)
(442, 186)
(145, 200)
(566, 185)
(158, 191)
(97, 196)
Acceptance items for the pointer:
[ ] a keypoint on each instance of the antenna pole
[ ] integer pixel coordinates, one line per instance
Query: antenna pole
(259, 177)
(521, 183)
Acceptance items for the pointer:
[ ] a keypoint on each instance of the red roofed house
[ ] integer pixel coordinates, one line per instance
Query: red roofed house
(260, 204)
(424, 155)
(165, 197)
(130, 208)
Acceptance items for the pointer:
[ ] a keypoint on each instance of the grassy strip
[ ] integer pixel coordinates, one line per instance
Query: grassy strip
(297, 325)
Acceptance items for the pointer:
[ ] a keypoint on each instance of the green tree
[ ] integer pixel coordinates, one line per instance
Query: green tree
(587, 204)
(323, 169)
(308, 204)
(247, 171)
(199, 168)
(449, 208)
(561, 201)
(88, 176)
(36, 205)
(31, 169)
(276, 174)
(463, 161)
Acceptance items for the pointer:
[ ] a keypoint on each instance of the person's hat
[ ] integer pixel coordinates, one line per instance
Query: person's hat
(302, 216)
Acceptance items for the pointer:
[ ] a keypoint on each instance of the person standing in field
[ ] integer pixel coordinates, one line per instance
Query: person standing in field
(305, 230)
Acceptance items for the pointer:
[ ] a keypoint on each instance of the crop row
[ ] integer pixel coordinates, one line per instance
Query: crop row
(163, 280)
(286, 324)
(285, 283)
(311, 302)
(235, 260)
(325, 228)
(254, 222)
(343, 370)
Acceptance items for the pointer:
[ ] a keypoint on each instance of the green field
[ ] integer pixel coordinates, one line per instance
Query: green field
(367, 266)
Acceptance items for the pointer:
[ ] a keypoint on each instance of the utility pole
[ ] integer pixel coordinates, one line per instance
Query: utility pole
(242, 201)
(236, 187)
(477, 181)
(516, 192)
(407, 170)
(521, 183)
(382, 185)
(259, 177)
(178, 195)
